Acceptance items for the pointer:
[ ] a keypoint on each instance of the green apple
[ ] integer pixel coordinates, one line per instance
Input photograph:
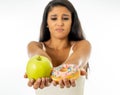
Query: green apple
(38, 67)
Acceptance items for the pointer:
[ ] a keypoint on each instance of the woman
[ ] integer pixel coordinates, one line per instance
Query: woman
(62, 41)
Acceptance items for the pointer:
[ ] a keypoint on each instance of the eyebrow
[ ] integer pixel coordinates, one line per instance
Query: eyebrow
(56, 15)
(66, 15)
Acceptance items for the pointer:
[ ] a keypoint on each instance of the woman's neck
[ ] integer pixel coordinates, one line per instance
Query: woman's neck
(58, 44)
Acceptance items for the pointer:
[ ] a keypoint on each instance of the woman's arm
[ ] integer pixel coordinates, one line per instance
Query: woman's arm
(82, 50)
(81, 55)
(35, 48)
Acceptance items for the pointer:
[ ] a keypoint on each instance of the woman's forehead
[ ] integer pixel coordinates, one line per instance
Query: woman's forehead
(59, 10)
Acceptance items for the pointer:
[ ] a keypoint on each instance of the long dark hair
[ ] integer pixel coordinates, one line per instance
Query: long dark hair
(76, 32)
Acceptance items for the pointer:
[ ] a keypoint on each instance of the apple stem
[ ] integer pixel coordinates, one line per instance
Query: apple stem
(39, 58)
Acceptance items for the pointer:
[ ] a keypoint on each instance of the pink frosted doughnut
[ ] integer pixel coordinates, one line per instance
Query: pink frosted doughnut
(65, 71)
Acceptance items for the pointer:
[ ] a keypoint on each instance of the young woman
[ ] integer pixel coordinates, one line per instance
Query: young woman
(62, 41)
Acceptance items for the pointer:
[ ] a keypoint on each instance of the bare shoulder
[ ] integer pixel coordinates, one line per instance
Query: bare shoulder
(34, 44)
(82, 44)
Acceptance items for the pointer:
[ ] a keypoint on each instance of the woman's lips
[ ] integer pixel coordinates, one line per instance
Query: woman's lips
(60, 30)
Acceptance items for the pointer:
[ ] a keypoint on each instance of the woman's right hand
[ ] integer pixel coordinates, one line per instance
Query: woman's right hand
(39, 83)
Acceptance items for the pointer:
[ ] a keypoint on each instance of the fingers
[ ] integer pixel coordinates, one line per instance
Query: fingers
(47, 82)
(25, 75)
(41, 83)
(83, 72)
(67, 83)
(73, 84)
(61, 83)
(55, 83)
(31, 82)
(37, 83)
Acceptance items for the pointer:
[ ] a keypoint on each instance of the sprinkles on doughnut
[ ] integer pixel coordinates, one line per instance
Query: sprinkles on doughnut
(65, 71)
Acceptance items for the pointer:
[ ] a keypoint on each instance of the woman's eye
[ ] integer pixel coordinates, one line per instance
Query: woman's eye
(65, 18)
(62, 18)
(53, 18)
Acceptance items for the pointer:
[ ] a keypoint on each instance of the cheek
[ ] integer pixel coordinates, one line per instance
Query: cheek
(50, 25)
(68, 26)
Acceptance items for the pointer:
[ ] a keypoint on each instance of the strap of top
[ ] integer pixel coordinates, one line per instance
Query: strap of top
(70, 52)
(43, 46)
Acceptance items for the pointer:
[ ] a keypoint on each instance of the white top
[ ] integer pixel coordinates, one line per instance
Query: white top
(56, 90)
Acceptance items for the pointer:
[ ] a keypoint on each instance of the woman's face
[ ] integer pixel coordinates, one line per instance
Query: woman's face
(59, 22)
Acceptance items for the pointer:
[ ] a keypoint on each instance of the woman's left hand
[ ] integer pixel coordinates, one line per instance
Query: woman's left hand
(68, 82)
(65, 83)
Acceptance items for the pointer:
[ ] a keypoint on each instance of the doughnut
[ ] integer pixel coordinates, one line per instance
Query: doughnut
(69, 71)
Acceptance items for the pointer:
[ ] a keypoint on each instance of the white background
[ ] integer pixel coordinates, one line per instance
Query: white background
(20, 22)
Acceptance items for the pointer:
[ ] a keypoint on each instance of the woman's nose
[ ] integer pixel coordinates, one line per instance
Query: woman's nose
(60, 22)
